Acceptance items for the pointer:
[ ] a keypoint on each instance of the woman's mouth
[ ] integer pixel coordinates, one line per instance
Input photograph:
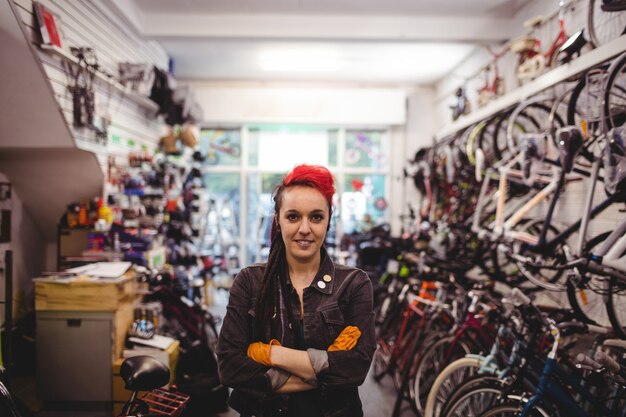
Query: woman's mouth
(304, 244)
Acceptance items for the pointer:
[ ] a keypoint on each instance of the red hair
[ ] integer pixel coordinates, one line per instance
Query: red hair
(314, 176)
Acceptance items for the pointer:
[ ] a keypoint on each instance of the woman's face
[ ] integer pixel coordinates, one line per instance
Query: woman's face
(303, 220)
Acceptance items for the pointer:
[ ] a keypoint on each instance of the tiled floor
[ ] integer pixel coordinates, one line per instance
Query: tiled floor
(378, 398)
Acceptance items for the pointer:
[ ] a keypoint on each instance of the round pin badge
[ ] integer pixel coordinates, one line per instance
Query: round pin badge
(321, 284)
(327, 278)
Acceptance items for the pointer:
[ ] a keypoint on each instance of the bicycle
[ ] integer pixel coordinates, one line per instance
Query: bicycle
(561, 392)
(144, 373)
(140, 374)
(606, 20)
(532, 61)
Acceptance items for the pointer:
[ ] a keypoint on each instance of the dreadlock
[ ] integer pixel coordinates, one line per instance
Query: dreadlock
(269, 308)
(273, 301)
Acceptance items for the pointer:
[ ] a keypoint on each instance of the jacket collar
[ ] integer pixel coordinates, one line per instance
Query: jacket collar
(327, 269)
(325, 278)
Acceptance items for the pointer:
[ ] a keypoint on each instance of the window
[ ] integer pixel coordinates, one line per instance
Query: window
(243, 166)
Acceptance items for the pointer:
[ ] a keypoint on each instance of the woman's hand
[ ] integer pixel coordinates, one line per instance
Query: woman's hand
(261, 352)
(346, 340)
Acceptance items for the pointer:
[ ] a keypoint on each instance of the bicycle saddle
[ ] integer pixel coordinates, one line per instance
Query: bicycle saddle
(570, 141)
(144, 373)
(573, 45)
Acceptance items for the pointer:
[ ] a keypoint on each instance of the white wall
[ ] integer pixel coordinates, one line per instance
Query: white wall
(28, 245)
(31, 148)
(570, 204)
(236, 103)
(90, 23)
(406, 111)
(468, 73)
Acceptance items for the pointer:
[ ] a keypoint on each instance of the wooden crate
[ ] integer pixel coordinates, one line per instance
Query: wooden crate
(85, 295)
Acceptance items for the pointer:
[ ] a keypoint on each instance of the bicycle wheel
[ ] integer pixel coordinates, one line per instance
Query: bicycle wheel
(615, 93)
(616, 305)
(447, 381)
(513, 409)
(530, 116)
(474, 402)
(587, 299)
(475, 382)
(546, 278)
(435, 358)
(604, 26)
(584, 109)
(380, 364)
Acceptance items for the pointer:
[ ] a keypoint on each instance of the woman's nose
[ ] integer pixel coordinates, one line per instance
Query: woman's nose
(304, 227)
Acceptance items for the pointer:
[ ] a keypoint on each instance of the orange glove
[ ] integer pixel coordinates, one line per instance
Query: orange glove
(260, 352)
(347, 339)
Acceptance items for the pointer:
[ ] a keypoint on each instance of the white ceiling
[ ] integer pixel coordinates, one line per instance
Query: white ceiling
(365, 41)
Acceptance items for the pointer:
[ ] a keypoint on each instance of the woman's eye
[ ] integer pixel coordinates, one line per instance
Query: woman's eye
(317, 218)
(292, 217)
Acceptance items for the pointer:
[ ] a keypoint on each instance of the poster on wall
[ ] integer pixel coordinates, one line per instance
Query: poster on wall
(5, 212)
(48, 24)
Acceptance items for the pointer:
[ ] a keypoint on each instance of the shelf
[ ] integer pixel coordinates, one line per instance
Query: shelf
(136, 98)
(539, 84)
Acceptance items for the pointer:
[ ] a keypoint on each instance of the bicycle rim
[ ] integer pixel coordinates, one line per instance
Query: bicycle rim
(513, 410)
(470, 384)
(545, 278)
(380, 364)
(588, 302)
(436, 357)
(474, 402)
(615, 93)
(585, 102)
(616, 306)
(447, 381)
(604, 26)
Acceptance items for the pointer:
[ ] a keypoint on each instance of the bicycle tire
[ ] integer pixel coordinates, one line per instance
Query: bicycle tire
(523, 118)
(580, 106)
(513, 409)
(447, 381)
(431, 363)
(414, 362)
(470, 384)
(616, 306)
(538, 276)
(614, 91)
(380, 364)
(602, 26)
(472, 142)
(475, 401)
(589, 306)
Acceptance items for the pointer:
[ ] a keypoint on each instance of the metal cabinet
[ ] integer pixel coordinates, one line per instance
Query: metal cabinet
(75, 351)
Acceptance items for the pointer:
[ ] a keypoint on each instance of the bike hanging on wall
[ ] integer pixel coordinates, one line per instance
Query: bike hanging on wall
(532, 61)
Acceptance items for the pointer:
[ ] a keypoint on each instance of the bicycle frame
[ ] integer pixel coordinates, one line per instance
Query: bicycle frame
(549, 386)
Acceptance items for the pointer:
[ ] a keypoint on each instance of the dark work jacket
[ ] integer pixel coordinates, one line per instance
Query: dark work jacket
(345, 300)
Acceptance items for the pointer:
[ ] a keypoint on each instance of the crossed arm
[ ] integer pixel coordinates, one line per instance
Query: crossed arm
(298, 363)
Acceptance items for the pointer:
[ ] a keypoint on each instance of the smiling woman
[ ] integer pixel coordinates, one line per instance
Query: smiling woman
(298, 336)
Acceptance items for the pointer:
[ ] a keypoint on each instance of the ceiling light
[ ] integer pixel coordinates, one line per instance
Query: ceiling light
(300, 60)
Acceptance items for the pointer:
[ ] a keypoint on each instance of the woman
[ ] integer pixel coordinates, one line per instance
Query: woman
(298, 336)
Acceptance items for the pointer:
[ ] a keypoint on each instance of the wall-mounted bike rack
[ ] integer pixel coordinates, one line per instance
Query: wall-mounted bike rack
(547, 80)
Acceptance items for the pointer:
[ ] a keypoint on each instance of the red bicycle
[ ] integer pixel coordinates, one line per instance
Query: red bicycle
(531, 60)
